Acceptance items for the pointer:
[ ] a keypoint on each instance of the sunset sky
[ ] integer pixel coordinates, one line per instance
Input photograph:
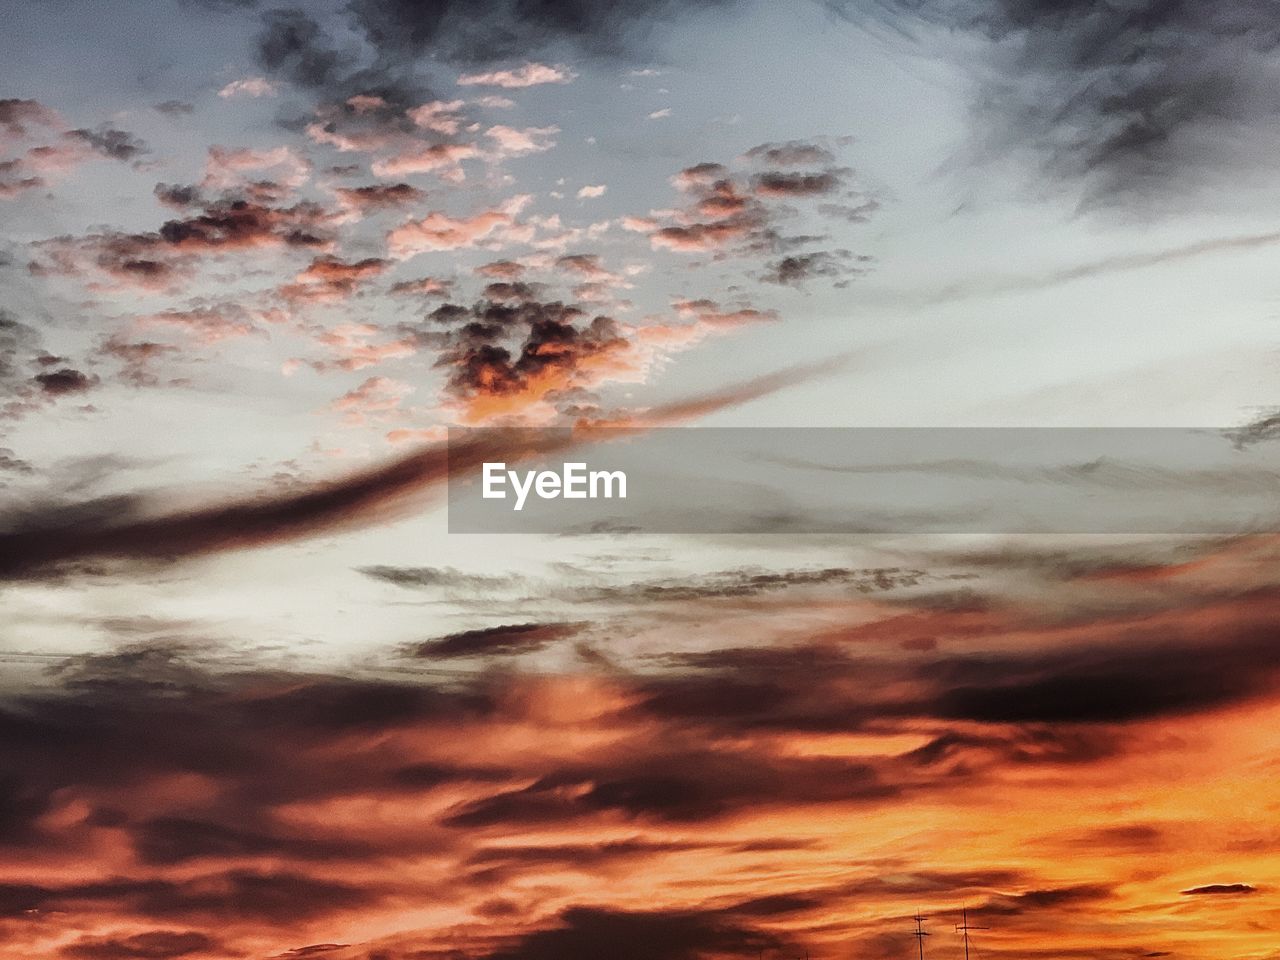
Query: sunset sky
(258, 258)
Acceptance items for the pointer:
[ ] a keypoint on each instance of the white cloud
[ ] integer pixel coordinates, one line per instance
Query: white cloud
(529, 75)
(248, 87)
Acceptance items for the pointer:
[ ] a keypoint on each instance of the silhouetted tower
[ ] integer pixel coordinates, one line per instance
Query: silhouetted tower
(963, 928)
(920, 932)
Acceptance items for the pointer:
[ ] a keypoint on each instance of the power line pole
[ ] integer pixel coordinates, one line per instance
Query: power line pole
(963, 927)
(920, 932)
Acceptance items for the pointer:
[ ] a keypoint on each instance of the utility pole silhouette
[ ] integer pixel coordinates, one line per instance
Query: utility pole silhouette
(963, 928)
(920, 932)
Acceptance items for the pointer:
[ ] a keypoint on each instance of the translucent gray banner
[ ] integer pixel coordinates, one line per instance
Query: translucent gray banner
(862, 480)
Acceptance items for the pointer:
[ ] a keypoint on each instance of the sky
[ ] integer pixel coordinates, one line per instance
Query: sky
(258, 259)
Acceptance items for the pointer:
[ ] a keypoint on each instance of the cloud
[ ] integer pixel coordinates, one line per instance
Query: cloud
(518, 143)
(592, 191)
(330, 279)
(439, 231)
(40, 538)
(1131, 100)
(110, 142)
(792, 153)
(674, 935)
(776, 183)
(373, 399)
(740, 214)
(501, 269)
(495, 30)
(1262, 429)
(798, 269)
(398, 35)
(742, 584)
(444, 577)
(30, 122)
(503, 641)
(376, 197)
(224, 168)
(65, 381)
(1108, 265)
(423, 286)
(508, 358)
(13, 182)
(248, 87)
(152, 945)
(527, 75)
(205, 324)
(18, 117)
(1220, 890)
(174, 108)
(160, 259)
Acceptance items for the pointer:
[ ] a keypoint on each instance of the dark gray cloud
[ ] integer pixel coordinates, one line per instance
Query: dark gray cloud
(30, 377)
(65, 380)
(502, 641)
(796, 270)
(1038, 901)
(174, 108)
(1107, 684)
(12, 463)
(792, 153)
(405, 36)
(110, 142)
(1262, 429)
(489, 30)
(38, 539)
(789, 183)
(445, 577)
(1139, 97)
(747, 582)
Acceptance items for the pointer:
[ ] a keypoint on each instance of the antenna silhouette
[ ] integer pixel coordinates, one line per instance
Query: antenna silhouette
(963, 928)
(920, 932)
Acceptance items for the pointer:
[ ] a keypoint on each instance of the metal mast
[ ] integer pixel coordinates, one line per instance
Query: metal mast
(963, 928)
(920, 932)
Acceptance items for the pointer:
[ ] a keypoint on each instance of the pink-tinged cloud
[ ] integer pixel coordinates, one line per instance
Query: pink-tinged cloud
(166, 258)
(329, 278)
(375, 399)
(20, 118)
(225, 168)
(501, 270)
(355, 346)
(512, 142)
(439, 231)
(528, 75)
(139, 360)
(699, 320)
(252, 87)
(702, 237)
(439, 116)
(15, 180)
(210, 324)
(442, 159)
(377, 197)
(424, 286)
